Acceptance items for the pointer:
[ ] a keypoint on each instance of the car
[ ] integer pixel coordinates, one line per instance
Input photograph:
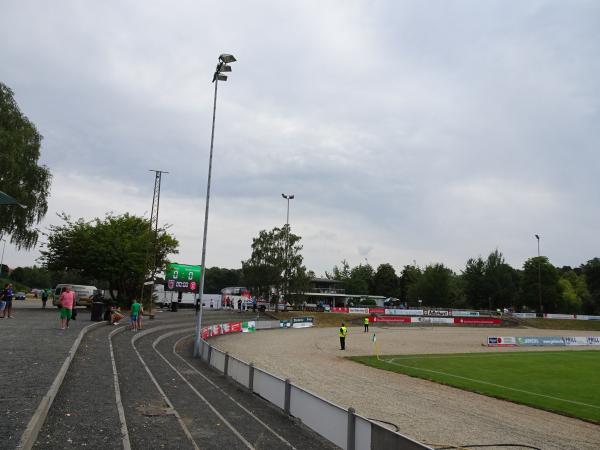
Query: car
(20, 296)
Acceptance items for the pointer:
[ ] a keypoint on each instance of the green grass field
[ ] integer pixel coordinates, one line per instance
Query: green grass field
(566, 382)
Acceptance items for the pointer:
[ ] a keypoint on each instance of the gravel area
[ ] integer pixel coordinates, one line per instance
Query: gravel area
(429, 412)
(33, 350)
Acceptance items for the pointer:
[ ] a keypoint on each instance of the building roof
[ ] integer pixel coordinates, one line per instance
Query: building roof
(6, 199)
(325, 280)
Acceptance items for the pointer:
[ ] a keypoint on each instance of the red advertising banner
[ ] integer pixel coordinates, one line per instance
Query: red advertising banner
(376, 310)
(402, 319)
(477, 320)
(236, 327)
(204, 333)
(339, 310)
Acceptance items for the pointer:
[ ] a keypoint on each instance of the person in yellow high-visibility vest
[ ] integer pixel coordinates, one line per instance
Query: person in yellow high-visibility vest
(342, 333)
(366, 324)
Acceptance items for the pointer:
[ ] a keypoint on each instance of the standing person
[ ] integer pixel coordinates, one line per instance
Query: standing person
(366, 324)
(240, 305)
(44, 298)
(254, 304)
(7, 297)
(2, 303)
(67, 303)
(135, 311)
(139, 318)
(343, 332)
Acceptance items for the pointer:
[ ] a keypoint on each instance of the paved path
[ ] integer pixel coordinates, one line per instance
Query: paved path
(32, 352)
(163, 398)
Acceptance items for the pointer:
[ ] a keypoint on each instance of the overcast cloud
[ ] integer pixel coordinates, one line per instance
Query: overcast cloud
(408, 130)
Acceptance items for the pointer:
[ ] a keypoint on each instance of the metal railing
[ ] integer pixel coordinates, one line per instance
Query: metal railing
(341, 426)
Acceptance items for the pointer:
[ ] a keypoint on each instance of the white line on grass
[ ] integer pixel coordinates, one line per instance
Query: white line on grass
(391, 361)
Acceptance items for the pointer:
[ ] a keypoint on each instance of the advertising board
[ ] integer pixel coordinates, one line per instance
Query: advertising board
(559, 316)
(540, 341)
(585, 317)
(575, 340)
(182, 278)
(248, 327)
(404, 312)
(478, 320)
(525, 315)
(391, 319)
(338, 309)
(376, 310)
(437, 312)
(456, 313)
(448, 320)
(593, 340)
(358, 310)
(501, 341)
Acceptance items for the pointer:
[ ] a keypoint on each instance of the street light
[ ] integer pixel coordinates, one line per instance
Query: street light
(288, 197)
(222, 66)
(537, 236)
(2, 259)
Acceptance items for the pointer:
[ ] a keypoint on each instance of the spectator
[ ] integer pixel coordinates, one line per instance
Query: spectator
(8, 298)
(67, 303)
(44, 298)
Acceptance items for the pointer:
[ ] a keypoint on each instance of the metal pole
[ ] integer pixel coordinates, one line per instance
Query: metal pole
(539, 274)
(203, 269)
(2, 260)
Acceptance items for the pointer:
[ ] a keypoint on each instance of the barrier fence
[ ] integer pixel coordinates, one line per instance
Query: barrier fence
(341, 426)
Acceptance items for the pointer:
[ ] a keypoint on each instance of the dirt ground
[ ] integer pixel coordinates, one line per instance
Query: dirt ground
(429, 412)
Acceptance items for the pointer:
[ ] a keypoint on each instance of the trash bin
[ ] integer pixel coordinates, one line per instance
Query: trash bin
(97, 311)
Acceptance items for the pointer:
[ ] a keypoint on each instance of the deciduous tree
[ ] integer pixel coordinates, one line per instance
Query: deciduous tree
(20, 174)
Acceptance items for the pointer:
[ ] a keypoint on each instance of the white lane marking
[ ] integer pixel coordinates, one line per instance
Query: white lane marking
(212, 408)
(124, 431)
(162, 393)
(391, 361)
(221, 390)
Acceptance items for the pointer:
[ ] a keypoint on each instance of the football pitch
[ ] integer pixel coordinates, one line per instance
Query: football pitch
(566, 382)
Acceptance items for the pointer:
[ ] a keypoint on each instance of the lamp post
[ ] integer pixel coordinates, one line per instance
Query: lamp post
(2, 259)
(288, 197)
(222, 67)
(537, 236)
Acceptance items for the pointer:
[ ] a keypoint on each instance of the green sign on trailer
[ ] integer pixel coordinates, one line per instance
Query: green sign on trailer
(182, 278)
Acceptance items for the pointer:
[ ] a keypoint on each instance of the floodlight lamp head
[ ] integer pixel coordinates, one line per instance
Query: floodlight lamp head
(537, 236)
(291, 197)
(227, 58)
(224, 68)
(219, 77)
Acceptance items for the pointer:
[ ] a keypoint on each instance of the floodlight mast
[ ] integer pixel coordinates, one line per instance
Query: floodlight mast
(222, 66)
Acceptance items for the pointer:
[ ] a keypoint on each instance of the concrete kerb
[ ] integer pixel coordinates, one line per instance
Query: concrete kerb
(30, 435)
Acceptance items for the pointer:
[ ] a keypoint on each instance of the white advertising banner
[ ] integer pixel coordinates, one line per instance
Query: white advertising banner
(404, 312)
(559, 316)
(576, 340)
(432, 320)
(593, 340)
(524, 315)
(500, 341)
(584, 317)
(358, 310)
(465, 313)
(437, 313)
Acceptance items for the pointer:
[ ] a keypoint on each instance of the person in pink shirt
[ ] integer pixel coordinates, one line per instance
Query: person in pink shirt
(67, 303)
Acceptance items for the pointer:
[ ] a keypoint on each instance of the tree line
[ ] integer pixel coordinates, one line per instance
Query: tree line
(484, 283)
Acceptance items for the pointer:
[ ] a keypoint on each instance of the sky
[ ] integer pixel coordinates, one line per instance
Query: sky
(408, 131)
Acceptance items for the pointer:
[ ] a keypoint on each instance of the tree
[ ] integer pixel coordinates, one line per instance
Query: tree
(502, 281)
(112, 250)
(539, 268)
(409, 278)
(34, 277)
(217, 278)
(438, 287)
(574, 292)
(20, 175)
(591, 272)
(360, 280)
(385, 281)
(275, 253)
(475, 285)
